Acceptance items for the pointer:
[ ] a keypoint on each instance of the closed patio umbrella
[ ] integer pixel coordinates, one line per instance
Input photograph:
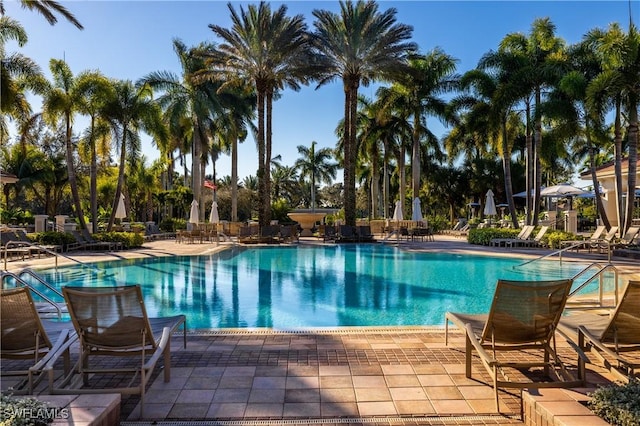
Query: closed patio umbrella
(397, 212)
(194, 214)
(213, 217)
(490, 205)
(121, 211)
(416, 214)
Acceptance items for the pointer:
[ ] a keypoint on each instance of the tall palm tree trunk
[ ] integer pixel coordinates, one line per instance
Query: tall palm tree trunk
(633, 161)
(346, 147)
(537, 141)
(617, 138)
(529, 165)
(123, 159)
(94, 179)
(234, 179)
(267, 160)
(506, 168)
(385, 180)
(261, 155)
(350, 213)
(415, 156)
(73, 181)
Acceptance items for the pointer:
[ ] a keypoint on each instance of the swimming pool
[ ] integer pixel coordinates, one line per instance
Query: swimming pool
(315, 286)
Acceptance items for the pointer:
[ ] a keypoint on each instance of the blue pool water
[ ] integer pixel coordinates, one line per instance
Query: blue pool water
(327, 286)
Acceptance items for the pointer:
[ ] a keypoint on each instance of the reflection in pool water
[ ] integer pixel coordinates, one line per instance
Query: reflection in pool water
(315, 286)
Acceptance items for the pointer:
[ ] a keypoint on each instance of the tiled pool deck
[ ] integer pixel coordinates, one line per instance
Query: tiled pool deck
(397, 375)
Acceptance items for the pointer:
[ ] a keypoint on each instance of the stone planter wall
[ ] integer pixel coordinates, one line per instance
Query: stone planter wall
(558, 407)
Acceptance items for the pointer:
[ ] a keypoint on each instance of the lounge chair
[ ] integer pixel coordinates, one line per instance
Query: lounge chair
(248, 234)
(87, 244)
(12, 247)
(524, 233)
(584, 243)
(346, 234)
(604, 242)
(330, 233)
(26, 336)
(363, 233)
(535, 242)
(627, 239)
(269, 234)
(289, 233)
(523, 317)
(112, 321)
(613, 338)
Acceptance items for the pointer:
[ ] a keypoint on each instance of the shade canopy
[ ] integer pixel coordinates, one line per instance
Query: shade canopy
(562, 190)
(397, 212)
(490, 204)
(214, 217)
(121, 211)
(416, 214)
(194, 215)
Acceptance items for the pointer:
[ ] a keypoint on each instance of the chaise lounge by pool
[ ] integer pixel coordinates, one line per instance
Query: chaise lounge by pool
(313, 286)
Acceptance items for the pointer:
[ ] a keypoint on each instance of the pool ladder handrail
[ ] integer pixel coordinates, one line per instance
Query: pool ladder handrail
(601, 270)
(58, 308)
(52, 252)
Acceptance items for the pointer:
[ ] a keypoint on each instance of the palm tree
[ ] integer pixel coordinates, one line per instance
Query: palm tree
(131, 110)
(62, 101)
(285, 183)
(491, 114)
(186, 99)
(17, 74)
(270, 50)
(619, 84)
(95, 90)
(428, 77)
(232, 127)
(358, 45)
(314, 164)
(576, 120)
(538, 62)
(48, 9)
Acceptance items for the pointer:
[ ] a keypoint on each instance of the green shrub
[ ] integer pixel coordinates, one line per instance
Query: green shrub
(553, 238)
(618, 404)
(438, 223)
(26, 411)
(483, 236)
(53, 238)
(128, 239)
(173, 224)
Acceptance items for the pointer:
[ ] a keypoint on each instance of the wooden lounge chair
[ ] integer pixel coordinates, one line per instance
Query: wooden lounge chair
(523, 317)
(112, 321)
(613, 338)
(26, 336)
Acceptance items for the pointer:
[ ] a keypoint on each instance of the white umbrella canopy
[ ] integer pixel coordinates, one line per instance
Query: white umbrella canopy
(562, 190)
(490, 204)
(121, 211)
(397, 212)
(416, 214)
(214, 217)
(194, 214)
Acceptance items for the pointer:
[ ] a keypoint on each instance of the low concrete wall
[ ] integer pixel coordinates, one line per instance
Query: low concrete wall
(558, 407)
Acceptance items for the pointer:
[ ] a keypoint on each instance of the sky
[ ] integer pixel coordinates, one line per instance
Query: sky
(129, 39)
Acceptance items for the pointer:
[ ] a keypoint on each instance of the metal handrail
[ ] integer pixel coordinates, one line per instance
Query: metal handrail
(33, 274)
(24, 283)
(601, 270)
(54, 253)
